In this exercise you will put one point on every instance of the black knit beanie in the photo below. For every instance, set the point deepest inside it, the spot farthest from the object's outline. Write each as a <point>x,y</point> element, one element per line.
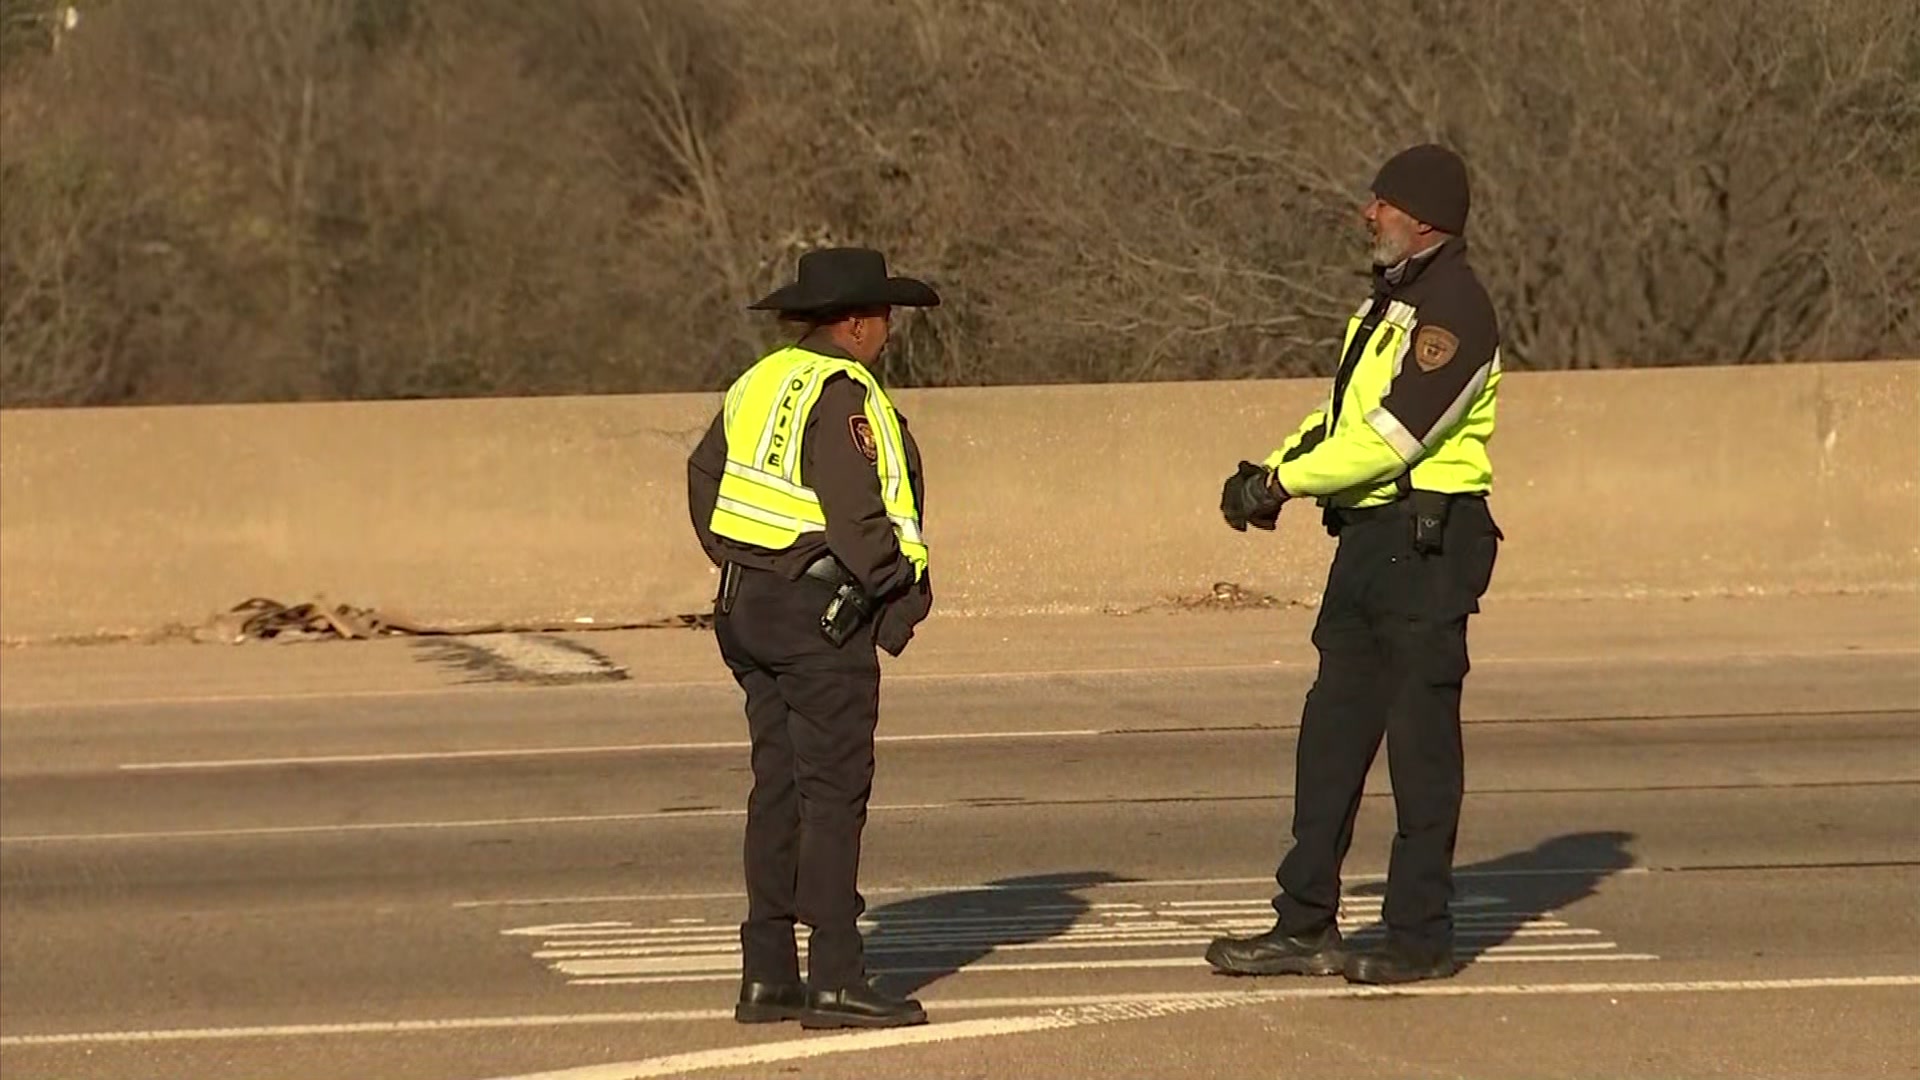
<point>1429,182</point>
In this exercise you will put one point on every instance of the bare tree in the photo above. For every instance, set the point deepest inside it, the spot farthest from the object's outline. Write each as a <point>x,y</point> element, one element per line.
<point>281,199</point>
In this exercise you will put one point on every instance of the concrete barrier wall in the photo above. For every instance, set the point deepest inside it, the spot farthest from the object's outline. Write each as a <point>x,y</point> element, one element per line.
<point>1701,480</point>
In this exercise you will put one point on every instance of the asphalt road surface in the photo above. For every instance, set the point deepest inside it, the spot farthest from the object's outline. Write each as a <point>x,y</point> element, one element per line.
<point>1691,847</point>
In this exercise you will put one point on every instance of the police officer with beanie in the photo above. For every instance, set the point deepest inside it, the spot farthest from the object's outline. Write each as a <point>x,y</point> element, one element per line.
<point>1397,460</point>
<point>806,492</point>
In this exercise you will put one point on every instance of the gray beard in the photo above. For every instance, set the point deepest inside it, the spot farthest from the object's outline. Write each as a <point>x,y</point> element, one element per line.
<point>1397,269</point>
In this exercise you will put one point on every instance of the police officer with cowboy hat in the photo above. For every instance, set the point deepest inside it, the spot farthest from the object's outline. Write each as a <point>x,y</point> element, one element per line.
<point>807,494</point>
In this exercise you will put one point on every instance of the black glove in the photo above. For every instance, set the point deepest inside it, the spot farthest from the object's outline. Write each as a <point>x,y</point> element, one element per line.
<point>900,616</point>
<point>1248,498</point>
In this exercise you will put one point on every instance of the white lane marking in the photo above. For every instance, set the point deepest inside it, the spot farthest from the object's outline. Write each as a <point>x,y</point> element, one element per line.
<point>613,953</point>
<point>639,684</point>
<point>626,935</point>
<point>402,826</point>
<point>578,949</point>
<point>1106,1012</point>
<point>732,972</point>
<point>370,826</point>
<point>980,946</point>
<point>641,937</point>
<point>565,751</point>
<point>1352,902</point>
<point>621,932</point>
<point>370,1027</point>
<point>595,967</point>
<point>727,969</point>
<point>641,942</point>
<point>682,1016</point>
<point>800,1049</point>
<point>1160,883</point>
<point>636,685</point>
<point>705,965</point>
<point>985,945</point>
<point>253,699</point>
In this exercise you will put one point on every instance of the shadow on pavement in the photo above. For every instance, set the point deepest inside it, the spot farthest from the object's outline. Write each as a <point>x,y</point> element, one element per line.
<point>1540,882</point>
<point>923,939</point>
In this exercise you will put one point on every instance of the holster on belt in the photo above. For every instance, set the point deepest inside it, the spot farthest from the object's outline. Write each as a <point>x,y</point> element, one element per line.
<point>850,608</point>
<point>1426,513</point>
<point>1430,510</point>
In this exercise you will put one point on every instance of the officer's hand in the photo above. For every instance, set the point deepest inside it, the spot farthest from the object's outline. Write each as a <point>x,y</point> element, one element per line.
<point>898,619</point>
<point>1248,498</point>
<point>1267,502</point>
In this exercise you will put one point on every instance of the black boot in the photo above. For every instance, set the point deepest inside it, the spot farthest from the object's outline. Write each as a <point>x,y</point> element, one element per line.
<point>1278,953</point>
<point>1401,962</point>
<point>859,1006</point>
<point>769,1003</point>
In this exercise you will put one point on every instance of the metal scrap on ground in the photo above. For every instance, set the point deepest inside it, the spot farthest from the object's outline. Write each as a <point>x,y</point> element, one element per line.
<point>264,619</point>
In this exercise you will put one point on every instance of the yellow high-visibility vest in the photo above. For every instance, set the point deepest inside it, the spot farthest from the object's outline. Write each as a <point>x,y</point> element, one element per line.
<point>1451,457</point>
<point>764,500</point>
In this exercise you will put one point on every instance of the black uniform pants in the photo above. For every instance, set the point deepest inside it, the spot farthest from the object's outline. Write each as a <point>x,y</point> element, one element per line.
<point>1392,638</point>
<point>811,713</point>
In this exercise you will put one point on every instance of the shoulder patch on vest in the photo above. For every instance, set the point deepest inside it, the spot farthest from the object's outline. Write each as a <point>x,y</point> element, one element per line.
<point>1433,346</point>
<point>863,440</point>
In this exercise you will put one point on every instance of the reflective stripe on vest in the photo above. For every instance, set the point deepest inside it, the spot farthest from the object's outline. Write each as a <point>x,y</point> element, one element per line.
<point>764,500</point>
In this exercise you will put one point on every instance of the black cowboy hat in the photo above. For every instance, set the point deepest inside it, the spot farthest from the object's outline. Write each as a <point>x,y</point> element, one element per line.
<point>846,279</point>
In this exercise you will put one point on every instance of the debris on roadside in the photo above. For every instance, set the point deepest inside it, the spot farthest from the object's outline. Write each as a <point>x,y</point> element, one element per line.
<point>1223,596</point>
<point>1227,594</point>
<point>264,619</point>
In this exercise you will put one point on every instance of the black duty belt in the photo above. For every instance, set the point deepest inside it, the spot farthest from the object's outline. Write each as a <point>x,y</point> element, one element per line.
<point>1433,512</point>
<point>828,569</point>
<point>1356,515</point>
<point>825,568</point>
<point>1399,507</point>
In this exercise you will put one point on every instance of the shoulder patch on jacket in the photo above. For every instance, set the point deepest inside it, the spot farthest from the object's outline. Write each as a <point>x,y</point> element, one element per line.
<point>862,430</point>
<point>1433,346</point>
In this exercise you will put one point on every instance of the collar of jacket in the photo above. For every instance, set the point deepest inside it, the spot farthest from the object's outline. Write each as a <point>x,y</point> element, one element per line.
<point>1451,250</point>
